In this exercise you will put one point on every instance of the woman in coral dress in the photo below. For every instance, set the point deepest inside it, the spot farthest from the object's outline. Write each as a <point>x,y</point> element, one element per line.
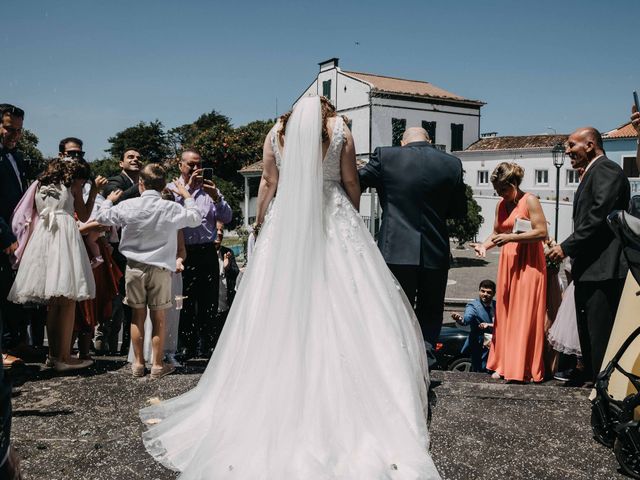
<point>517,348</point>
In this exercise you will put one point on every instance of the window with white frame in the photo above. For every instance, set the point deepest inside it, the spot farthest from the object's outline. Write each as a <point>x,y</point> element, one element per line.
<point>542,177</point>
<point>483,177</point>
<point>572,177</point>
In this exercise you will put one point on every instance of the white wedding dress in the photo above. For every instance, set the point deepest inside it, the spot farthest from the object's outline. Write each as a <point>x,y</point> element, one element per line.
<point>320,372</point>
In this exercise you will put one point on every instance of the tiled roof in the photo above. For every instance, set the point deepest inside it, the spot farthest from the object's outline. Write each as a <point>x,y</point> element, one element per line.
<point>624,131</point>
<point>517,142</point>
<point>252,168</point>
<point>408,87</point>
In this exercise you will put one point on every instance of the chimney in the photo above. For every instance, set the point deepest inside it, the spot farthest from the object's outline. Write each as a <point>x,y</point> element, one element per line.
<point>329,64</point>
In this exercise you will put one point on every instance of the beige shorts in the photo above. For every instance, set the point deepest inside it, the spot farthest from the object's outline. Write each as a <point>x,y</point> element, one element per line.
<point>147,286</point>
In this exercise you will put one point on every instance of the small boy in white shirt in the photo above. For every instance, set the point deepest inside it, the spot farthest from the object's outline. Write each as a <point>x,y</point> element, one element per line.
<point>149,242</point>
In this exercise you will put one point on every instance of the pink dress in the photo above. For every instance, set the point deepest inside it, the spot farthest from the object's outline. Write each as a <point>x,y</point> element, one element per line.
<point>517,347</point>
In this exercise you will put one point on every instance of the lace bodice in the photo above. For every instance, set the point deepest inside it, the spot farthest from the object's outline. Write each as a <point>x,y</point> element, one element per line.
<point>331,161</point>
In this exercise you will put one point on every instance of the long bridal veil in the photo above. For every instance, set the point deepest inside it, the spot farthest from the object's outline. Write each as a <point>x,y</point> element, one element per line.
<point>319,373</point>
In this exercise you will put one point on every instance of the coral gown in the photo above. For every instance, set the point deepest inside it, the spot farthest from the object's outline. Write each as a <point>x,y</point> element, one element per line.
<point>517,347</point>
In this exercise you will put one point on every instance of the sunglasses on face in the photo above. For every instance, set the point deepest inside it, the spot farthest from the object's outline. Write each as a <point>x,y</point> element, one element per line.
<point>75,154</point>
<point>12,130</point>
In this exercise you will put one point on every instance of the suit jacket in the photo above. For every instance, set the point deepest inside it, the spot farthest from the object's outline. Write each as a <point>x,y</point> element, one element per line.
<point>122,182</point>
<point>11,190</point>
<point>419,188</point>
<point>596,253</point>
<point>474,314</point>
<point>231,274</point>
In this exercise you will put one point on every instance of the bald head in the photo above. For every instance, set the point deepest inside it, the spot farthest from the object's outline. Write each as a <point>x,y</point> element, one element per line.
<point>590,134</point>
<point>414,134</point>
<point>583,146</point>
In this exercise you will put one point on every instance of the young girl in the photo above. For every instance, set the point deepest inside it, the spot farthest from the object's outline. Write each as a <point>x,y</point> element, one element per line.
<point>55,267</point>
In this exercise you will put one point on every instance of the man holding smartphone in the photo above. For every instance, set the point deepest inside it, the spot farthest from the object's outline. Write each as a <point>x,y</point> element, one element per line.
<point>201,270</point>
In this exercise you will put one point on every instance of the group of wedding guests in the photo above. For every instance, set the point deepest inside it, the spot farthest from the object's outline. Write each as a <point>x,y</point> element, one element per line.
<point>104,254</point>
<point>532,320</point>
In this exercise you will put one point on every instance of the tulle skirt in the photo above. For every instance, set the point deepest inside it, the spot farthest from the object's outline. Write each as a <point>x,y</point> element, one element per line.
<point>563,334</point>
<point>320,373</point>
<point>54,264</point>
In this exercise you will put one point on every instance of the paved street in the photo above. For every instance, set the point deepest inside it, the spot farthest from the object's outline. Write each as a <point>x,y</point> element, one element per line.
<point>86,428</point>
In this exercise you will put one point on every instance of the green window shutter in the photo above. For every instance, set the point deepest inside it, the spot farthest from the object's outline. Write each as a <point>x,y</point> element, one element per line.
<point>398,126</point>
<point>430,127</point>
<point>457,130</point>
<point>326,89</point>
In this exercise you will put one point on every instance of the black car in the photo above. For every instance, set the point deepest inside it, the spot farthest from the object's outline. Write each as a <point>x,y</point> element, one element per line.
<point>448,350</point>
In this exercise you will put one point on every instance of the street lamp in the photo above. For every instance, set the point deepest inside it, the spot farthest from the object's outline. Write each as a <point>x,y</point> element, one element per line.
<point>558,160</point>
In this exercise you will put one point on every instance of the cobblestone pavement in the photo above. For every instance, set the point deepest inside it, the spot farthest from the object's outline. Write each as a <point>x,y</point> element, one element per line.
<point>86,427</point>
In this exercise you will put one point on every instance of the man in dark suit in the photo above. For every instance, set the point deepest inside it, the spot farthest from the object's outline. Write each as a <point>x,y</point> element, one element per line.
<point>599,268</point>
<point>127,181</point>
<point>12,186</point>
<point>419,188</point>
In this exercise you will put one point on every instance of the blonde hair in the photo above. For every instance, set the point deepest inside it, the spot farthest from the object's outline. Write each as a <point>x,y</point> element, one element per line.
<point>507,172</point>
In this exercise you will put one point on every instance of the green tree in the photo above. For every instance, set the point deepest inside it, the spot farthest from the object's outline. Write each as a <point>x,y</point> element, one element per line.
<point>466,229</point>
<point>234,196</point>
<point>35,163</point>
<point>228,149</point>
<point>106,166</point>
<point>149,139</point>
<point>184,135</point>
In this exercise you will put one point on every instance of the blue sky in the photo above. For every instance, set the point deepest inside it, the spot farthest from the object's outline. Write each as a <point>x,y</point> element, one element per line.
<point>88,68</point>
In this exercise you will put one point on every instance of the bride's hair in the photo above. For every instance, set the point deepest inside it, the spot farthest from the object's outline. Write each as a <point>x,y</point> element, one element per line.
<point>64,171</point>
<point>328,111</point>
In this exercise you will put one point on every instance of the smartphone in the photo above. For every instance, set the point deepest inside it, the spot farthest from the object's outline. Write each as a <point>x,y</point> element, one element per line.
<point>635,99</point>
<point>207,174</point>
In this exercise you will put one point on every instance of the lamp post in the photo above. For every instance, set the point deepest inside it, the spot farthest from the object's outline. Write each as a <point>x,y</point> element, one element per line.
<point>558,160</point>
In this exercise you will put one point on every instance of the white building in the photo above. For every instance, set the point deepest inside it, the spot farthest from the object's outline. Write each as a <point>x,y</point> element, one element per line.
<point>380,108</point>
<point>621,146</point>
<point>533,153</point>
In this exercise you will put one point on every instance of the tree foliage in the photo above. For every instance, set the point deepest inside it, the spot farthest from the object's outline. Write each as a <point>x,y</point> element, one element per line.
<point>184,135</point>
<point>466,229</point>
<point>35,163</point>
<point>222,146</point>
<point>106,166</point>
<point>227,149</point>
<point>149,139</point>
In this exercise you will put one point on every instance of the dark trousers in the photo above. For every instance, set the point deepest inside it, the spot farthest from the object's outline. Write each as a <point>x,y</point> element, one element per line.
<point>200,285</point>
<point>6,276</point>
<point>15,326</point>
<point>121,313</point>
<point>425,288</point>
<point>596,306</point>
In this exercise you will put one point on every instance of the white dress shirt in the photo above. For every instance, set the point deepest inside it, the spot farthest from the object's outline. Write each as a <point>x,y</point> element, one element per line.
<point>149,226</point>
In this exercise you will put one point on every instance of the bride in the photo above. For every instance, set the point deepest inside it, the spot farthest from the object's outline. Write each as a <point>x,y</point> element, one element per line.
<point>320,372</point>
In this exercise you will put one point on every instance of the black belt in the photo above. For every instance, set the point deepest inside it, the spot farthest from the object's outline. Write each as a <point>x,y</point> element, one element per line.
<point>200,246</point>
